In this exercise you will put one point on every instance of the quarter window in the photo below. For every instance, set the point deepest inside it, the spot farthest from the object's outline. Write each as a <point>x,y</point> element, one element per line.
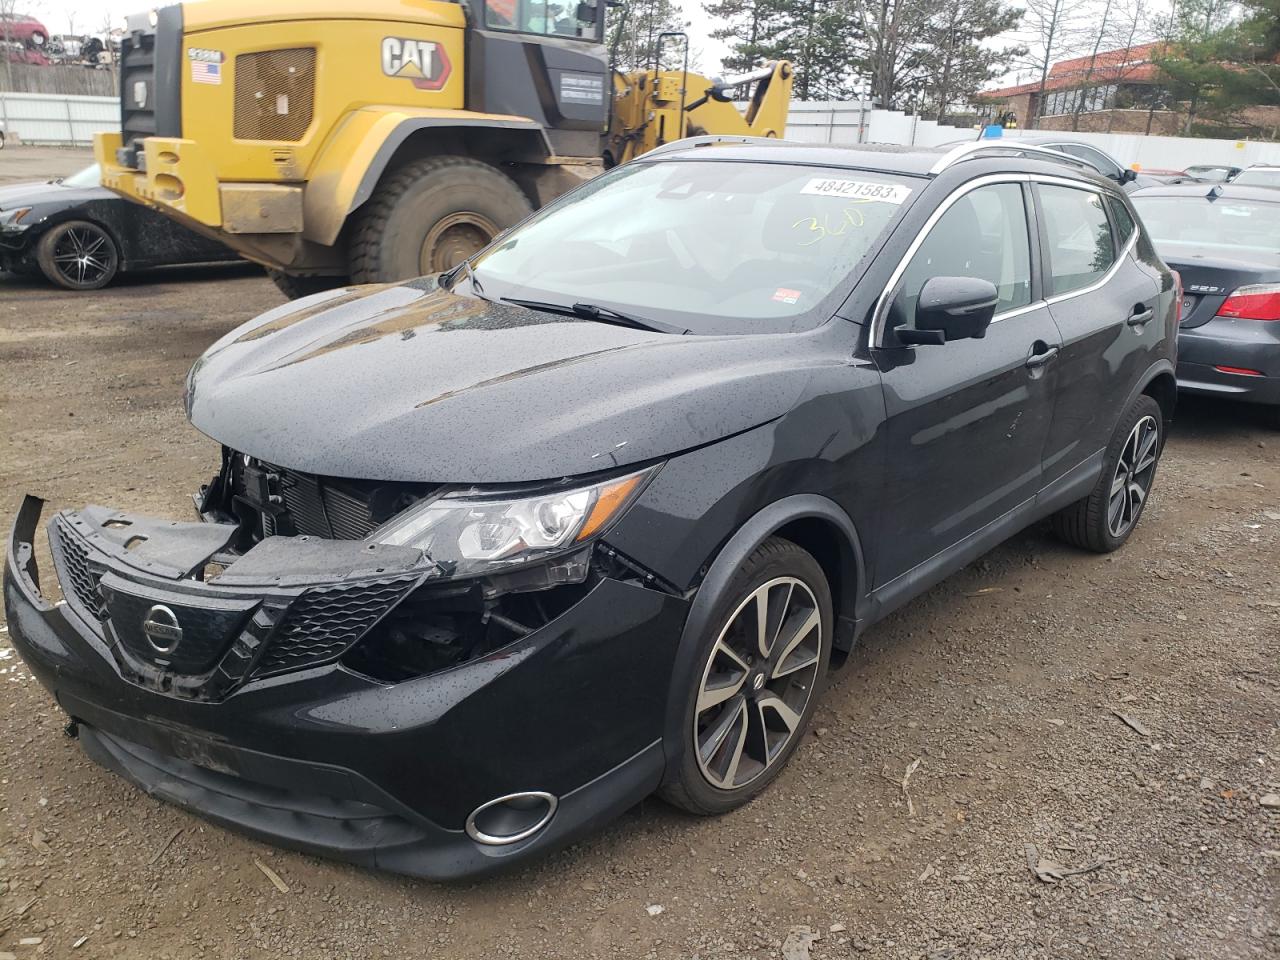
<point>1080,245</point>
<point>1124,222</point>
<point>983,235</point>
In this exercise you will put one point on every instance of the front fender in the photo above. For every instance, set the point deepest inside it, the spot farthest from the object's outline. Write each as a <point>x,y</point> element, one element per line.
<point>364,144</point>
<point>732,555</point>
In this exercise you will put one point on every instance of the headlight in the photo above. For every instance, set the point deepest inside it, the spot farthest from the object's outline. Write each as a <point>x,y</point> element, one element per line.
<point>469,533</point>
<point>9,217</point>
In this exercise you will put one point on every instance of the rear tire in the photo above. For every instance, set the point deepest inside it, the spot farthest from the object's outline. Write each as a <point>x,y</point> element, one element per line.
<point>78,255</point>
<point>295,287</point>
<point>1103,520</point>
<point>430,215</point>
<point>746,710</point>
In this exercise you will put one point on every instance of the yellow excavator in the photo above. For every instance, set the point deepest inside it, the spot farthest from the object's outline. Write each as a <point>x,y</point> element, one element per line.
<point>335,142</point>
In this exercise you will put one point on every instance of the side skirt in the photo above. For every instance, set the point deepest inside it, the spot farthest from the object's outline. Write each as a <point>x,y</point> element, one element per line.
<point>1070,487</point>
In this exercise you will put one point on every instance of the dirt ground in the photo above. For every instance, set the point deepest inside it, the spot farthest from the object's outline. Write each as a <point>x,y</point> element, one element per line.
<point>1003,683</point>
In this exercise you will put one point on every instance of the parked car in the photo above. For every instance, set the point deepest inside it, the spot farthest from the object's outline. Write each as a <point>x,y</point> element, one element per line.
<point>1258,175</point>
<point>1101,161</point>
<point>492,555</point>
<point>23,29</point>
<point>81,235</point>
<point>1211,172</point>
<point>1225,242</point>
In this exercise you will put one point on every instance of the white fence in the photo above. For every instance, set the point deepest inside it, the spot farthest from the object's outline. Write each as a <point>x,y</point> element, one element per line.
<point>855,122</point>
<point>53,120</point>
<point>852,121</point>
<point>73,120</point>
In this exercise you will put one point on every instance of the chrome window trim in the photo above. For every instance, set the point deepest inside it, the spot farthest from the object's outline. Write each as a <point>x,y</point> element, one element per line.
<point>881,310</point>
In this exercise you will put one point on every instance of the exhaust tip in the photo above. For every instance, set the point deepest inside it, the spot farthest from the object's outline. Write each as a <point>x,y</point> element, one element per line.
<point>512,818</point>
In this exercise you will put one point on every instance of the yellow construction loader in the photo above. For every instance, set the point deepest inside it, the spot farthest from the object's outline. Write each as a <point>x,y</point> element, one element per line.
<point>335,142</point>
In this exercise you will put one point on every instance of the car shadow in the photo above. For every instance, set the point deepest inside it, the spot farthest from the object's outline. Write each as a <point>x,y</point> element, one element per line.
<point>134,281</point>
<point>1211,418</point>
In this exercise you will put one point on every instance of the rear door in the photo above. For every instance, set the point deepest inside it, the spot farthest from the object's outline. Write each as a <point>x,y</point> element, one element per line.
<point>966,420</point>
<point>1105,303</point>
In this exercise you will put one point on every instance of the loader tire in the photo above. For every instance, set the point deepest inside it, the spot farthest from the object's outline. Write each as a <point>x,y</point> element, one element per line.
<point>430,215</point>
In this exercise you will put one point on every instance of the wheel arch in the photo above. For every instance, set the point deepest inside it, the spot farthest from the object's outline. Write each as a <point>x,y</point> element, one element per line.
<point>372,144</point>
<point>811,521</point>
<point>1162,387</point>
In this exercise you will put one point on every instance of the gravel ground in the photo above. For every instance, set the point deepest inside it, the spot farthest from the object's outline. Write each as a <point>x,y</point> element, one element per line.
<point>1002,684</point>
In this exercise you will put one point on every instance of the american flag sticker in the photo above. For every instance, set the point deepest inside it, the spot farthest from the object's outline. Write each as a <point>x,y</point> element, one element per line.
<point>205,72</point>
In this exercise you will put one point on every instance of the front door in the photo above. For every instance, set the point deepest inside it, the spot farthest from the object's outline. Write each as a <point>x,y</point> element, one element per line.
<point>966,420</point>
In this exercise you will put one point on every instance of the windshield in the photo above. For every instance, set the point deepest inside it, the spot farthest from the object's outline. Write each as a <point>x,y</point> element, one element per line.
<point>708,245</point>
<point>1227,225</point>
<point>1258,178</point>
<point>90,176</point>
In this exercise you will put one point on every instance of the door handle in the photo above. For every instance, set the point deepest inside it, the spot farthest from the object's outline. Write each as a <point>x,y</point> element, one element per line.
<point>1037,360</point>
<point>1140,318</point>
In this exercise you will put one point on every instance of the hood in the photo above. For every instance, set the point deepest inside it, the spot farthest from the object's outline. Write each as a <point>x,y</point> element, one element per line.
<point>412,382</point>
<point>39,193</point>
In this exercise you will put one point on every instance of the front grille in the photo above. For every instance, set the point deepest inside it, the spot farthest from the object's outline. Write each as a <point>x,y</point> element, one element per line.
<point>208,628</point>
<point>325,621</point>
<point>275,94</point>
<point>78,577</point>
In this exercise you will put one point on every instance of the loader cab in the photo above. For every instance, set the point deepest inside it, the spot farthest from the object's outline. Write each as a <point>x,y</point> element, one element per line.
<point>545,60</point>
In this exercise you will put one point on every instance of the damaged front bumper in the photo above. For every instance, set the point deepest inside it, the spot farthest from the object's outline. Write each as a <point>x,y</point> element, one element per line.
<point>232,692</point>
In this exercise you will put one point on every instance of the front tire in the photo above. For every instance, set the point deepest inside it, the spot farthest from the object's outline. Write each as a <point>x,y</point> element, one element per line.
<point>78,255</point>
<point>1103,520</point>
<point>756,680</point>
<point>429,216</point>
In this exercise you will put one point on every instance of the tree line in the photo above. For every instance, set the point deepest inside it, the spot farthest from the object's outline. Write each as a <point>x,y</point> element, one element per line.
<point>1213,58</point>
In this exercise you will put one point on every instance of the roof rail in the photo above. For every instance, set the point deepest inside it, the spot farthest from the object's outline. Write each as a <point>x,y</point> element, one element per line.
<point>706,141</point>
<point>970,150</point>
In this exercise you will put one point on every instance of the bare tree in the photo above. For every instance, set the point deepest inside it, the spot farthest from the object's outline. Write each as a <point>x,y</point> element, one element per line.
<point>1138,28</point>
<point>1052,32</point>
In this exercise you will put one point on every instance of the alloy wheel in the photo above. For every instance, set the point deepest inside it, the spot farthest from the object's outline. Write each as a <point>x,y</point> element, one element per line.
<point>84,255</point>
<point>1132,480</point>
<point>757,683</point>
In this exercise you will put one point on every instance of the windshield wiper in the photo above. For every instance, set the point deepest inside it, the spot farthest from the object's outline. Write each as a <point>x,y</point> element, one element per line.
<point>591,311</point>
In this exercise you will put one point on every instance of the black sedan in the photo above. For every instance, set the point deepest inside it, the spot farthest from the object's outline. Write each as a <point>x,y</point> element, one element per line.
<point>493,555</point>
<point>81,235</point>
<point>1225,242</point>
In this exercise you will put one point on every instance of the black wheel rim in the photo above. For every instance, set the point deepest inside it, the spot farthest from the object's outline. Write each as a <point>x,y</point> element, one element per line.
<point>83,255</point>
<point>757,683</point>
<point>1134,473</point>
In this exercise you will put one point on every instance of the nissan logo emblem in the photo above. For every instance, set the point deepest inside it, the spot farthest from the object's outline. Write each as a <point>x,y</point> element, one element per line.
<point>162,629</point>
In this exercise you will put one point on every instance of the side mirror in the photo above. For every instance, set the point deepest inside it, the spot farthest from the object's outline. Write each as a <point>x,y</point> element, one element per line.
<point>587,12</point>
<point>1128,175</point>
<point>952,308</point>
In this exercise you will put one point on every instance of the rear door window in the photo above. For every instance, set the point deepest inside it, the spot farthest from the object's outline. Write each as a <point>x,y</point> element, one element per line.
<point>1080,246</point>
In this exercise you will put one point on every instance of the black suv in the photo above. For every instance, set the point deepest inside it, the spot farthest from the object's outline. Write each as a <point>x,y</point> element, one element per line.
<point>491,556</point>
